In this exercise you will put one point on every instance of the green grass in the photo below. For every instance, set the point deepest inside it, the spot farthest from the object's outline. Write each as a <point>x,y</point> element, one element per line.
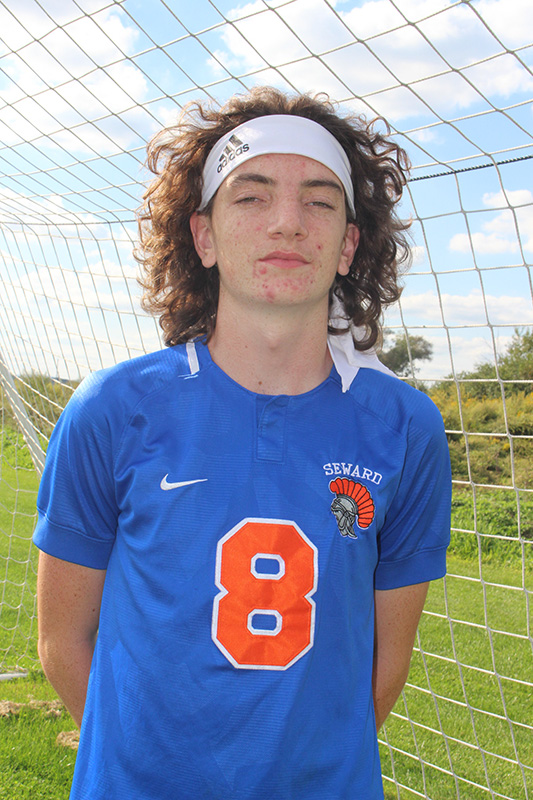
<point>18,557</point>
<point>503,520</point>
<point>477,708</point>
<point>33,764</point>
<point>461,714</point>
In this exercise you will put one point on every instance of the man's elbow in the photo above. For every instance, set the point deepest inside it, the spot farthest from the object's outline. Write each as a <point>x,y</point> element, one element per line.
<point>60,652</point>
<point>52,654</point>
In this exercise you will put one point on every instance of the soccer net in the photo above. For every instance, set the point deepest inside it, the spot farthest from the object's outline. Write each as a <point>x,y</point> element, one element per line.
<point>85,83</point>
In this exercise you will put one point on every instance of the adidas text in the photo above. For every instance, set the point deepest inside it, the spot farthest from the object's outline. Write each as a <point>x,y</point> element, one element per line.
<point>226,159</point>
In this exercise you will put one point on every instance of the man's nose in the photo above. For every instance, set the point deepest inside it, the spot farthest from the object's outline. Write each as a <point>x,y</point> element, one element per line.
<point>287,219</point>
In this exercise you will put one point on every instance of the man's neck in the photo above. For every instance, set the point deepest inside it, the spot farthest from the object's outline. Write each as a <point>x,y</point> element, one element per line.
<point>273,354</point>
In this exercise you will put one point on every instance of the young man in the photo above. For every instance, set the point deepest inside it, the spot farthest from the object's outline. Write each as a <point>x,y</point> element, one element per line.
<point>250,518</point>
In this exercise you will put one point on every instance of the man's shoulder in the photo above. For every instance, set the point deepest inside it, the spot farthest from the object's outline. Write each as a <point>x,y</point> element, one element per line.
<point>125,384</point>
<point>396,403</point>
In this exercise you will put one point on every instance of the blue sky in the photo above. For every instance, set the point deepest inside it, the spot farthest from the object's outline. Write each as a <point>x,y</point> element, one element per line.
<point>84,84</point>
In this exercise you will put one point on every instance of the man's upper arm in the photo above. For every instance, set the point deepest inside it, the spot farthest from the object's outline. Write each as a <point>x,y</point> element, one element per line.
<point>397,613</point>
<point>69,597</point>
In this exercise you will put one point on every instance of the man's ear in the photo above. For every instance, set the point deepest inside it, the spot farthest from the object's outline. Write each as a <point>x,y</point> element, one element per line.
<point>202,235</point>
<point>350,244</point>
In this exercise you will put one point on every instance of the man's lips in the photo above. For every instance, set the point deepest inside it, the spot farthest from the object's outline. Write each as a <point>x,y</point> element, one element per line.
<point>286,260</point>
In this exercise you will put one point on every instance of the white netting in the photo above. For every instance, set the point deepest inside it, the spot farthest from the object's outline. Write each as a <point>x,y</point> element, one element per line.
<point>84,85</point>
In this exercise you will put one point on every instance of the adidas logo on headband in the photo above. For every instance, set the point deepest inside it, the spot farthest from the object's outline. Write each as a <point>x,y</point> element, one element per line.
<point>233,149</point>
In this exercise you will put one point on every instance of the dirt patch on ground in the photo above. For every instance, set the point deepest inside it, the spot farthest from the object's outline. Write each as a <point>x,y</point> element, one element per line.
<point>68,739</point>
<point>50,708</point>
<point>7,708</point>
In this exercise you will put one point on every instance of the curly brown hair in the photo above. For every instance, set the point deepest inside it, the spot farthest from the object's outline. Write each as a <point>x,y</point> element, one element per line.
<point>185,295</point>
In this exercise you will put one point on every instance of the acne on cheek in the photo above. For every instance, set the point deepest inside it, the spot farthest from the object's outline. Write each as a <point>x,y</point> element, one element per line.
<point>259,271</point>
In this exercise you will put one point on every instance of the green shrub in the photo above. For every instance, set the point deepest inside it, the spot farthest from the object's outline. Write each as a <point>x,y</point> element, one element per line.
<point>497,513</point>
<point>44,399</point>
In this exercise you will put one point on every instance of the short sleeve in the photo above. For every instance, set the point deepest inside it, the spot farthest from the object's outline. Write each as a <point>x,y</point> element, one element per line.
<point>76,502</point>
<point>416,532</point>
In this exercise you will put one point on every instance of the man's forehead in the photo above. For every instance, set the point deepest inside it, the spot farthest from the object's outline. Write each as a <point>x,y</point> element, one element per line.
<point>274,168</point>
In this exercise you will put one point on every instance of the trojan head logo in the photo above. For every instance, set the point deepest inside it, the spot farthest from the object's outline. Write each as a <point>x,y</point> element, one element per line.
<point>352,502</point>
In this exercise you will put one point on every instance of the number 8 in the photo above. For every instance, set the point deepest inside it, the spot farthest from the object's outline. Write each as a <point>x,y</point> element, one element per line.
<point>284,594</point>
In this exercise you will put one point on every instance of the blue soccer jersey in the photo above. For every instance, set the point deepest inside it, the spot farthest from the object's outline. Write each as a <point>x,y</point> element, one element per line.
<point>243,537</point>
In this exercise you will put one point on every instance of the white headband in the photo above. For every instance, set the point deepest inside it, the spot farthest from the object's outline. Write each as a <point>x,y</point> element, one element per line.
<point>276,133</point>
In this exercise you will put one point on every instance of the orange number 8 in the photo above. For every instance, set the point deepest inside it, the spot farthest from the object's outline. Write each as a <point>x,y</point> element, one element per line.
<point>282,593</point>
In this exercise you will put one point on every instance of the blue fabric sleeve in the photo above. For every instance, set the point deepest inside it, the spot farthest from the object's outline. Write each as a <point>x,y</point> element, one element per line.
<point>416,533</point>
<point>76,501</point>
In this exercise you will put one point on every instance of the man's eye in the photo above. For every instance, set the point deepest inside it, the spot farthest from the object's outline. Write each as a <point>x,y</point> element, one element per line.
<point>248,199</point>
<point>321,204</point>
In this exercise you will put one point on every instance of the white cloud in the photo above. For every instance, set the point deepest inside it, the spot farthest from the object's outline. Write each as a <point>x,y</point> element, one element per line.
<point>425,135</point>
<point>413,58</point>
<point>509,197</point>
<point>502,77</point>
<point>446,94</point>
<point>459,351</point>
<point>74,61</point>
<point>89,6</point>
<point>262,38</point>
<point>453,29</point>
<point>246,10</point>
<point>49,211</point>
<point>21,26</point>
<point>43,121</point>
<point>98,97</point>
<point>105,36</point>
<point>80,88</point>
<point>482,243</point>
<point>418,255</point>
<point>425,308</point>
<point>509,19</point>
<point>96,286</point>
<point>375,17</point>
<point>119,88</point>
<point>499,234</point>
<point>316,24</point>
<point>78,320</point>
<point>307,76</point>
<point>398,103</point>
<point>466,350</point>
<point>424,313</point>
<point>415,10</point>
<point>360,69</point>
<point>24,80</point>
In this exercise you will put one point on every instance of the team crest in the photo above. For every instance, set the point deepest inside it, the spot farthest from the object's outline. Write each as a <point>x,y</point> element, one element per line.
<point>353,502</point>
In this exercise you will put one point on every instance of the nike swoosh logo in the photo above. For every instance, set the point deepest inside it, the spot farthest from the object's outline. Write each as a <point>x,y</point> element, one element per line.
<point>165,485</point>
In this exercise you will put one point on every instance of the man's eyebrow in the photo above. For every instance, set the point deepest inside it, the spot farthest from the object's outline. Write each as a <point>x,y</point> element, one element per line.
<point>252,177</point>
<point>322,182</point>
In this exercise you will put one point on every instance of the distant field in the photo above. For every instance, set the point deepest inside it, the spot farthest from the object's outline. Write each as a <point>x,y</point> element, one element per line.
<point>476,717</point>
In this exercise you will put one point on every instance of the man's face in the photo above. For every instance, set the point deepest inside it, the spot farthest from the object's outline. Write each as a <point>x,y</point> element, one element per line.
<point>277,232</point>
